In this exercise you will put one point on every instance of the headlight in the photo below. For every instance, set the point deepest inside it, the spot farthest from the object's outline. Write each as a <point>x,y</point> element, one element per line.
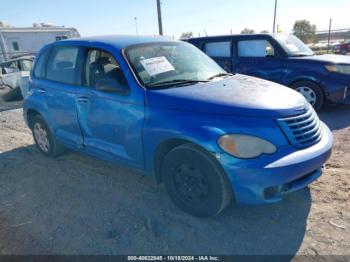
<point>244,146</point>
<point>343,69</point>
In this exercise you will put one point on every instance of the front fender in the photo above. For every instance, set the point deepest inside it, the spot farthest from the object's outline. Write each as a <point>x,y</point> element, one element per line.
<point>201,129</point>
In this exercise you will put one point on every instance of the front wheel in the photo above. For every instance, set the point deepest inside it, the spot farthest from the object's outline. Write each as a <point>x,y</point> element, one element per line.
<point>195,181</point>
<point>312,93</point>
<point>343,51</point>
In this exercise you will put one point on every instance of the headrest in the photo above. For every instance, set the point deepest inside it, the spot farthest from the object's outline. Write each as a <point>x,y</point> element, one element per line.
<point>104,60</point>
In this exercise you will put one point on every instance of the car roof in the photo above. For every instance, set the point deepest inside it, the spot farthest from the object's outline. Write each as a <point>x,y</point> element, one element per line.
<point>118,41</point>
<point>229,36</point>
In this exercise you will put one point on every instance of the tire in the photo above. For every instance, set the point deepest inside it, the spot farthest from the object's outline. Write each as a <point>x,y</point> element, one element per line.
<point>46,142</point>
<point>312,93</point>
<point>195,181</point>
<point>343,51</point>
<point>12,95</point>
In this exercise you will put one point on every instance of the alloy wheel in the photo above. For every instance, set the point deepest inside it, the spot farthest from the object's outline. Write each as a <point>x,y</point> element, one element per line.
<point>41,137</point>
<point>308,93</point>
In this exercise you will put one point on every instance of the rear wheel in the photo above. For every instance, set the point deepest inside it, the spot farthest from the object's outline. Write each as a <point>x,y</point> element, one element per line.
<point>195,181</point>
<point>312,93</point>
<point>44,139</point>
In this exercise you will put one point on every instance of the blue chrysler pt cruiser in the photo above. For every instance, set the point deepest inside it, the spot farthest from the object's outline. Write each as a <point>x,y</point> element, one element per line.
<point>165,108</point>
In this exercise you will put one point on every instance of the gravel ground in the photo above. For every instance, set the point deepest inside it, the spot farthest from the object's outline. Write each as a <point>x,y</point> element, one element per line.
<point>75,204</point>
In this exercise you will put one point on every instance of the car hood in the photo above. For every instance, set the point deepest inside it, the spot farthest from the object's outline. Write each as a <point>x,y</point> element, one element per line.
<point>337,59</point>
<point>236,95</point>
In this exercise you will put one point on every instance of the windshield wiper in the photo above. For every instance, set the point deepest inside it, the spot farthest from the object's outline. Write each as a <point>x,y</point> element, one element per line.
<point>220,75</point>
<point>176,81</point>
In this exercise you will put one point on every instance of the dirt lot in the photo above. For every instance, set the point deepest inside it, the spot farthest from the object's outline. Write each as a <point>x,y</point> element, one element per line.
<point>78,205</point>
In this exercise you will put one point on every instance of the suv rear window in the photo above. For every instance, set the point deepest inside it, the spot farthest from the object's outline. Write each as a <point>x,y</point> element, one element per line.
<point>62,64</point>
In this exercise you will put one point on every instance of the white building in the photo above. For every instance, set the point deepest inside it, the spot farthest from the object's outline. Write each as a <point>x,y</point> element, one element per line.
<point>17,41</point>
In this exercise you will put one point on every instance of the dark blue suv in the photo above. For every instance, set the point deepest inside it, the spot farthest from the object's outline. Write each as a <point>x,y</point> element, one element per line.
<point>283,59</point>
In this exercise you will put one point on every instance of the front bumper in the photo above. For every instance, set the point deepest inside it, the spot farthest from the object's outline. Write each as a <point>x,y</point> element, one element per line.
<point>267,178</point>
<point>337,88</point>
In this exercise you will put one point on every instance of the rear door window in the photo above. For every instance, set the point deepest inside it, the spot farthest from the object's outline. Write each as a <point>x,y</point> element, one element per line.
<point>218,49</point>
<point>255,48</point>
<point>62,64</point>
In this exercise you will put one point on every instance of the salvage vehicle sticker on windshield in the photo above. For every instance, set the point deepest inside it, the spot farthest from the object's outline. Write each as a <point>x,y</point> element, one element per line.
<point>157,65</point>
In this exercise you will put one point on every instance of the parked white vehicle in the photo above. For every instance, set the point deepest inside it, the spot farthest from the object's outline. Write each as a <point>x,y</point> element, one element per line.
<point>14,75</point>
<point>18,41</point>
<point>12,70</point>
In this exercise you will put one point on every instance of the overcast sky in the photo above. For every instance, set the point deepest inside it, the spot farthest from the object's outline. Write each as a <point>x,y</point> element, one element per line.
<point>96,17</point>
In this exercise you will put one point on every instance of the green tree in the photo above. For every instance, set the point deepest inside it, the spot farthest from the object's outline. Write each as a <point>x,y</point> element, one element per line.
<point>304,30</point>
<point>186,35</point>
<point>247,31</point>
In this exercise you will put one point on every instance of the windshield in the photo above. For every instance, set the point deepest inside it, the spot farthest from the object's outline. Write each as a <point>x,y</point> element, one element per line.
<point>293,45</point>
<point>171,63</point>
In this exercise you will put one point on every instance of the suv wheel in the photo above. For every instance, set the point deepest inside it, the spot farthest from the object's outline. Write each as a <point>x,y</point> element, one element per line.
<point>312,93</point>
<point>343,51</point>
<point>195,181</point>
<point>44,139</point>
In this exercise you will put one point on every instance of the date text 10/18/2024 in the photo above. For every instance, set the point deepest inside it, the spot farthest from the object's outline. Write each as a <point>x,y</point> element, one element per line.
<point>173,258</point>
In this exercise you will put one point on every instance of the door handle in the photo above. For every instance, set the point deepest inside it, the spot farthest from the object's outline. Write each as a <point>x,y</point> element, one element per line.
<point>83,99</point>
<point>41,90</point>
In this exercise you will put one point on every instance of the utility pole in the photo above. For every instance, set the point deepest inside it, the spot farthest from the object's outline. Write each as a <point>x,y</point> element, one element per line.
<point>137,30</point>
<point>160,26</point>
<point>274,18</point>
<point>329,34</point>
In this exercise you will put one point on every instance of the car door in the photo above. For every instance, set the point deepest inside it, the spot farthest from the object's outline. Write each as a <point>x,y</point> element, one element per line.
<point>110,121</point>
<point>220,51</point>
<point>59,90</point>
<point>258,57</point>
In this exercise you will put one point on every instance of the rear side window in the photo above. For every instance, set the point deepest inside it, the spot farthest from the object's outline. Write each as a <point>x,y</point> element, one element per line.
<point>218,49</point>
<point>255,48</point>
<point>62,64</point>
<point>40,64</point>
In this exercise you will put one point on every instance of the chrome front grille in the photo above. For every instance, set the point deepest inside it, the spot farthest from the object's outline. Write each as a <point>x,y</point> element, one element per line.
<point>302,130</point>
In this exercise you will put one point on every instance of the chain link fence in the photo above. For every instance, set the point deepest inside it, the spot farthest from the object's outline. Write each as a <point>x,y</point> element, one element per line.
<point>329,41</point>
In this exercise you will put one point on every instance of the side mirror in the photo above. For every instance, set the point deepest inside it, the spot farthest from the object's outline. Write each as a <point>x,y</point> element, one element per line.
<point>111,85</point>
